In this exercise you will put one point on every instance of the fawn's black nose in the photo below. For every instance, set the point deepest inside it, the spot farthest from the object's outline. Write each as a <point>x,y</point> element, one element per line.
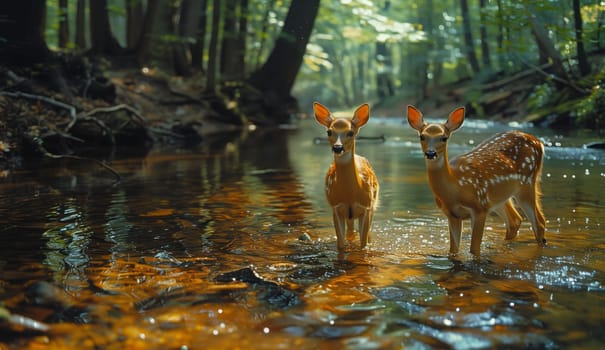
<point>430,154</point>
<point>337,149</point>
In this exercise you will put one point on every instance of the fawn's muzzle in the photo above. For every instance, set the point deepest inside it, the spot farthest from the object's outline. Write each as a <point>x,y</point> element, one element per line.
<point>430,154</point>
<point>338,149</point>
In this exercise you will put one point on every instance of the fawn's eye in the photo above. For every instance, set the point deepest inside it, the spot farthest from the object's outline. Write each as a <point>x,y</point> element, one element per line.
<point>329,132</point>
<point>350,134</point>
<point>422,138</point>
<point>443,138</point>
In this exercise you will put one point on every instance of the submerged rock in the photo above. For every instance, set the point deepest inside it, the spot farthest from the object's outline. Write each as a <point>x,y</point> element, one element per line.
<point>247,274</point>
<point>43,293</point>
<point>65,309</point>
<point>268,291</point>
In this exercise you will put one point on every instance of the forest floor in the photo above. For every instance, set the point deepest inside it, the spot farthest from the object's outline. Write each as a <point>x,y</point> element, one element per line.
<point>142,109</point>
<point>500,100</point>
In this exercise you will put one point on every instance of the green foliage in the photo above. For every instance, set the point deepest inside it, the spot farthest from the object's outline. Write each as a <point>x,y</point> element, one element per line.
<point>590,111</point>
<point>586,111</point>
<point>541,96</point>
<point>341,62</point>
<point>423,41</point>
<point>116,9</point>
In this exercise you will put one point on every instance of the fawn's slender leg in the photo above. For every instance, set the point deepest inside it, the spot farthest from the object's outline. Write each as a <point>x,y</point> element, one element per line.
<point>371,218</point>
<point>527,201</point>
<point>455,228</point>
<point>339,225</point>
<point>350,228</point>
<point>513,220</point>
<point>511,216</point>
<point>477,224</point>
<point>364,227</point>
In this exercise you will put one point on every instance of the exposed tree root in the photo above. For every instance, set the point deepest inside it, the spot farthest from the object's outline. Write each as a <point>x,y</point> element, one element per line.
<point>75,118</point>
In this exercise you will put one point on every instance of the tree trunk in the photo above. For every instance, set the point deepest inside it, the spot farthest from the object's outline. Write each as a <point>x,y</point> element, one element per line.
<point>213,47</point>
<point>143,42</point>
<point>546,46</point>
<point>343,92</point>
<point>233,47</point>
<point>22,44</point>
<point>487,62</point>
<point>22,32</point>
<point>277,75</point>
<point>468,37</point>
<point>188,20</point>
<point>263,38</point>
<point>229,41</point>
<point>600,26</point>
<point>135,15</point>
<point>384,83</point>
<point>240,61</point>
<point>500,36</point>
<point>81,24</point>
<point>63,24</point>
<point>153,49</point>
<point>197,50</point>
<point>425,17</point>
<point>355,85</point>
<point>102,39</point>
<point>438,61</point>
<point>583,64</point>
<point>358,79</point>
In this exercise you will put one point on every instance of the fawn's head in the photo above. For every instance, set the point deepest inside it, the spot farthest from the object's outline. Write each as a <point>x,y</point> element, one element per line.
<point>342,131</point>
<point>434,136</point>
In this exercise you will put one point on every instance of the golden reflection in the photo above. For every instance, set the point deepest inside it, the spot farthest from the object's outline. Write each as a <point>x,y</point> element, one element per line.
<point>158,212</point>
<point>139,261</point>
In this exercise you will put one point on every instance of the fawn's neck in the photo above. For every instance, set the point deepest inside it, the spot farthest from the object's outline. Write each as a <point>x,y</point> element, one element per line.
<point>346,169</point>
<point>441,176</point>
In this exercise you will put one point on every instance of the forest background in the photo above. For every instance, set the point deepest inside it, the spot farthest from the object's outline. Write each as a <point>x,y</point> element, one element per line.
<point>177,68</point>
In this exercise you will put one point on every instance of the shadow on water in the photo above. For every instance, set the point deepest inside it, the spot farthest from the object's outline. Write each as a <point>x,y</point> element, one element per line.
<point>232,243</point>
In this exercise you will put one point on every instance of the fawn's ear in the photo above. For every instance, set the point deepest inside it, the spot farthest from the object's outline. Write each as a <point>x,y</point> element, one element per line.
<point>415,118</point>
<point>361,115</point>
<point>455,120</point>
<point>322,114</point>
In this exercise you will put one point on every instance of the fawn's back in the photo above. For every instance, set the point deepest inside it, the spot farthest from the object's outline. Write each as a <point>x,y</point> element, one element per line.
<point>500,166</point>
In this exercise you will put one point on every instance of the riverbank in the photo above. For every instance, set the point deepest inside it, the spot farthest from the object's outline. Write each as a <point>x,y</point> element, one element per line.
<point>79,107</point>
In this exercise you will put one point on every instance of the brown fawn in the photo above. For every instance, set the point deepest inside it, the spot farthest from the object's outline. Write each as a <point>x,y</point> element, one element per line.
<point>505,166</point>
<point>351,185</point>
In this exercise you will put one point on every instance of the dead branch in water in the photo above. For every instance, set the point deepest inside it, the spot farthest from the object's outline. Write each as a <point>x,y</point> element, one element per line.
<point>46,153</point>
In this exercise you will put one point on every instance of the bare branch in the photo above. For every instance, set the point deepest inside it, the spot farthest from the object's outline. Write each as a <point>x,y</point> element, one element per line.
<point>68,156</point>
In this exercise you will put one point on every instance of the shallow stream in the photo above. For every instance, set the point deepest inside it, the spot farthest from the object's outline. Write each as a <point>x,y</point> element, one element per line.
<point>231,245</point>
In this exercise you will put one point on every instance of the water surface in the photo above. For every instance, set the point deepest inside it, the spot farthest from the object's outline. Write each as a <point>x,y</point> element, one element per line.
<point>232,245</point>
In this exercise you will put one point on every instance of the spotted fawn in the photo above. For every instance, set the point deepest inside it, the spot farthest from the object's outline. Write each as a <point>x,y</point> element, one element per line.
<point>504,167</point>
<point>351,185</point>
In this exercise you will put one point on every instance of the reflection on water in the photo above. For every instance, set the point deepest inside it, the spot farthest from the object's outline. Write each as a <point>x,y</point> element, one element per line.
<point>232,244</point>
